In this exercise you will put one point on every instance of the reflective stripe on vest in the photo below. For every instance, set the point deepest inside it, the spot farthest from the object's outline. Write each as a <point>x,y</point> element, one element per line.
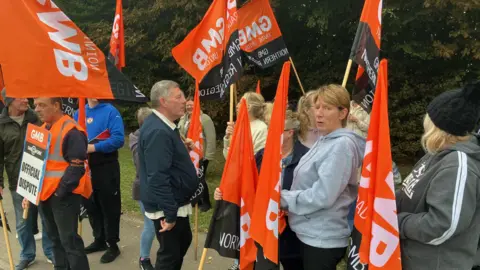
<point>56,156</point>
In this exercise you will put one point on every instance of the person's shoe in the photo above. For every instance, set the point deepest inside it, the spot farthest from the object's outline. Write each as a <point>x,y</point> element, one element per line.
<point>146,264</point>
<point>110,255</point>
<point>234,266</point>
<point>49,261</point>
<point>24,264</point>
<point>38,236</point>
<point>96,247</point>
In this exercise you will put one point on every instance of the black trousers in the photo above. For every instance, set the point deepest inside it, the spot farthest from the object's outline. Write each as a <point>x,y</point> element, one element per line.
<point>292,263</point>
<point>33,209</point>
<point>322,258</point>
<point>105,206</point>
<point>174,244</point>
<point>61,223</point>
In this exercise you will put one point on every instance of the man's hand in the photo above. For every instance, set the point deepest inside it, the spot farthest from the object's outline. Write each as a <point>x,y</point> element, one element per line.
<point>166,226</point>
<point>218,195</point>
<point>189,144</point>
<point>25,203</point>
<point>90,148</point>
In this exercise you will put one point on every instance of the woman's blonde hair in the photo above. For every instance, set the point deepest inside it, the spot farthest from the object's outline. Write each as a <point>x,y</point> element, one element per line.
<point>305,103</point>
<point>256,105</point>
<point>142,114</point>
<point>335,95</point>
<point>267,115</point>
<point>435,139</point>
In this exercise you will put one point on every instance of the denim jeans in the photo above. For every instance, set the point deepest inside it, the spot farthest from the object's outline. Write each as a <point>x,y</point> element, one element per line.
<point>148,234</point>
<point>25,232</point>
<point>351,214</point>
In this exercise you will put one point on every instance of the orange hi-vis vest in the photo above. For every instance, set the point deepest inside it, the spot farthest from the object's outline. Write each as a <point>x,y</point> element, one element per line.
<point>56,164</point>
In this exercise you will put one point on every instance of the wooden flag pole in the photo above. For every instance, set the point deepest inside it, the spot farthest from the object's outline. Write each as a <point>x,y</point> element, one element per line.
<point>5,233</point>
<point>195,239</point>
<point>296,74</point>
<point>202,260</point>
<point>232,93</point>
<point>347,72</point>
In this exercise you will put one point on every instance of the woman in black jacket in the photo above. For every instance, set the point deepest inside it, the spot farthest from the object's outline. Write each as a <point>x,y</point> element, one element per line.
<point>292,152</point>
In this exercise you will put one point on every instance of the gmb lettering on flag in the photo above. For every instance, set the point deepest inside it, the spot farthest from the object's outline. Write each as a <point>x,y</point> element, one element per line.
<point>365,52</point>
<point>229,231</point>
<point>117,41</point>
<point>375,242</point>
<point>260,37</point>
<point>64,61</point>
<point>211,51</point>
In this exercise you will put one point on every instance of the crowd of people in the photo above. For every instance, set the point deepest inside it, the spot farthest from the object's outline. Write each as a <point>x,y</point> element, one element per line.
<point>324,141</point>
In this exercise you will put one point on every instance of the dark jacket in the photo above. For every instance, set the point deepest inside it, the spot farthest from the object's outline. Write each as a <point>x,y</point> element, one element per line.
<point>12,137</point>
<point>168,178</point>
<point>133,144</point>
<point>439,209</point>
<point>289,244</point>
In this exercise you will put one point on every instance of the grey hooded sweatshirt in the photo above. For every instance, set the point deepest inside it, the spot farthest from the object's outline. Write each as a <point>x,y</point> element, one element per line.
<point>324,186</point>
<point>438,210</point>
<point>133,144</point>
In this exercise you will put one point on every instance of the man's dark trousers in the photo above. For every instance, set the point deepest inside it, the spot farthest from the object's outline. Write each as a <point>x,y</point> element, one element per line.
<point>61,224</point>
<point>105,206</point>
<point>174,244</point>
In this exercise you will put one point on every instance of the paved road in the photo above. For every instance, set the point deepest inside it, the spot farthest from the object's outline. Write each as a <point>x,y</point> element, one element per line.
<point>131,227</point>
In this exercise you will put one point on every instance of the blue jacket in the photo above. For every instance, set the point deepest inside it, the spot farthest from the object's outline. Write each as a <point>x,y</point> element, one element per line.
<point>105,130</point>
<point>168,178</point>
<point>289,244</point>
<point>324,186</point>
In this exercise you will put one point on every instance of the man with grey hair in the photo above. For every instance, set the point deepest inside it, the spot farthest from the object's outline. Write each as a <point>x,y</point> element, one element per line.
<point>168,178</point>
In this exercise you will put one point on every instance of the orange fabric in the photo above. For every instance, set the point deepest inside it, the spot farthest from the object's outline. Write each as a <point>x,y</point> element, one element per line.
<point>238,183</point>
<point>257,25</point>
<point>43,43</point>
<point>259,91</point>
<point>50,184</point>
<point>376,213</point>
<point>204,46</point>
<point>117,40</point>
<point>195,131</point>
<point>267,223</point>
<point>372,15</point>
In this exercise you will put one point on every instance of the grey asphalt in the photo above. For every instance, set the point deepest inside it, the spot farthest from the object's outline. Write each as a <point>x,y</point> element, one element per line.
<point>130,231</point>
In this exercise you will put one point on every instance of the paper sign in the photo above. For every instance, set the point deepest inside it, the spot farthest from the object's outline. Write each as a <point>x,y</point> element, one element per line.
<point>34,161</point>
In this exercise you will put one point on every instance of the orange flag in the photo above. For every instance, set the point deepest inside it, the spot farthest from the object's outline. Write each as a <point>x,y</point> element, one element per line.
<point>229,231</point>
<point>376,212</point>
<point>117,42</point>
<point>195,131</point>
<point>266,221</point>
<point>258,88</point>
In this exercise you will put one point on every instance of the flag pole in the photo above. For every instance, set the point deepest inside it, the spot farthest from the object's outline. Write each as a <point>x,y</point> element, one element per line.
<point>347,73</point>
<point>202,260</point>
<point>195,241</point>
<point>296,74</point>
<point>232,93</point>
<point>5,233</point>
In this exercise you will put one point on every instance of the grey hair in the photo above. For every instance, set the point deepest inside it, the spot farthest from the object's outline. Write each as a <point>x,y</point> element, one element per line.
<point>142,114</point>
<point>161,89</point>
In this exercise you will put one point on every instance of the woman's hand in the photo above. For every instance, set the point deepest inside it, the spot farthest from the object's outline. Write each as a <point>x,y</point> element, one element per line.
<point>218,195</point>
<point>229,130</point>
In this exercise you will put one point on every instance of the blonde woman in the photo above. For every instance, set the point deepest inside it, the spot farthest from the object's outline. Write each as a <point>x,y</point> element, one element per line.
<point>325,183</point>
<point>256,113</point>
<point>267,116</point>
<point>308,134</point>
<point>438,206</point>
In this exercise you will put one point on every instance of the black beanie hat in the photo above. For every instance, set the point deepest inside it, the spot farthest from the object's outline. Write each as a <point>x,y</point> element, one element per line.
<point>458,111</point>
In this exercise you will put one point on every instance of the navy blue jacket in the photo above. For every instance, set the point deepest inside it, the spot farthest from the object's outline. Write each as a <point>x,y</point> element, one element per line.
<point>168,178</point>
<point>289,244</point>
